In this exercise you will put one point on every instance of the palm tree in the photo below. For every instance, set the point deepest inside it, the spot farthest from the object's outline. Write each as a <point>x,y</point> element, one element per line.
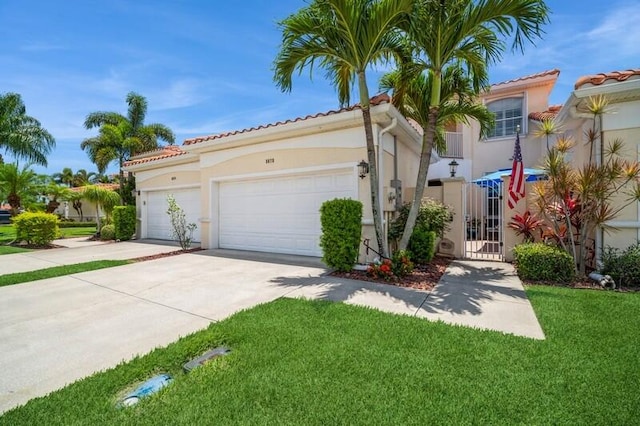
<point>82,178</point>
<point>18,184</point>
<point>55,192</point>
<point>345,37</point>
<point>121,137</point>
<point>65,177</point>
<point>22,135</point>
<point>103,198</point>
<point>465,33</point>
<point>76,202</point>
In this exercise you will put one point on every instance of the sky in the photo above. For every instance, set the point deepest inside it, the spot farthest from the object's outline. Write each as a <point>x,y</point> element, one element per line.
<point>205,66</point>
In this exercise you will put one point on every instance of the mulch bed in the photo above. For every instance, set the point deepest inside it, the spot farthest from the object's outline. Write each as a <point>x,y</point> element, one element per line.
<point>424,277</point>
<point>168,254</point>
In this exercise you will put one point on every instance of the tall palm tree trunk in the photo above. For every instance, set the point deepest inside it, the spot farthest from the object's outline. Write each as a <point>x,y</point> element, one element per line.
<point>373,166</point>
<point>425,158</point>
<point>121,160</point>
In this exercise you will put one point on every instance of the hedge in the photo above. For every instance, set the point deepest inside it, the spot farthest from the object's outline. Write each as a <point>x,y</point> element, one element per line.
<point>36,228</point>
<point>77,224</point>
<point>541,262</point>
<point>341,221</point>
<point>124,221</point>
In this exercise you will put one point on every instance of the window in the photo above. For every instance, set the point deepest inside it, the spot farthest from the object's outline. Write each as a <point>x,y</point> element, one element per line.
<point>508,115</point>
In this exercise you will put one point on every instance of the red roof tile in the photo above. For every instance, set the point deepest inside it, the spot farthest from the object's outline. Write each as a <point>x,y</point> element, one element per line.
<point>376,100</point>
<point>598,79</point>
<point>549,114</point>
<point>158,154</point>
<point>554,71</point>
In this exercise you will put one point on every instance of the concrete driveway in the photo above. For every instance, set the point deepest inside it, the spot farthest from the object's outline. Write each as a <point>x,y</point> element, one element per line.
<point>58,330</point>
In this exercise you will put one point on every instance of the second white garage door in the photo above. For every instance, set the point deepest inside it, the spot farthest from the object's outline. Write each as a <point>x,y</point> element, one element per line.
<point>158,223</point>
<point>279,215</point>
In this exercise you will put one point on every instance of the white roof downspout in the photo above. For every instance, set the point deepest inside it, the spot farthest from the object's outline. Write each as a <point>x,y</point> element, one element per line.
<point>394,123</point>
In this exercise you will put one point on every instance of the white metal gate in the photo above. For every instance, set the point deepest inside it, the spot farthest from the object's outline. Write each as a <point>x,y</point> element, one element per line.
<point>483,221</point>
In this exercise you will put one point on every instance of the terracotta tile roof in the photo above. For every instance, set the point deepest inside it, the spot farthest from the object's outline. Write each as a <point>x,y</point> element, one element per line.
<point>109,186</point>
<point>376,100</point>
<point>549,114</point>
<point>598,79</point>
<point>554,71</point>
<point>158,154</point>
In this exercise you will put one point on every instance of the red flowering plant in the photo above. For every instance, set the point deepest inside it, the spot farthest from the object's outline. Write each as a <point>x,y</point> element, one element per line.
<point>382,270</point>
<point>401,263</point>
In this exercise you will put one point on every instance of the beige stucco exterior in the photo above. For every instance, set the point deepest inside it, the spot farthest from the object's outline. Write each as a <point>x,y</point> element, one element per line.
<point>313,145</point>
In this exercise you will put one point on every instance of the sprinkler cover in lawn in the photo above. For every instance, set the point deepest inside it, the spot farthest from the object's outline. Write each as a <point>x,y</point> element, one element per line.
<point>205,357</point>
<point>147,388</point>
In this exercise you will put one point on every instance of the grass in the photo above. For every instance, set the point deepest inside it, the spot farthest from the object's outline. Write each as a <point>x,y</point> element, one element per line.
<point>303,362</point>
<point>12,250</point>
<point>58,271</point>
<point>8,233</point>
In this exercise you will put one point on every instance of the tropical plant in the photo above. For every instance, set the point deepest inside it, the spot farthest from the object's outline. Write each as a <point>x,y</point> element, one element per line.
<point>83,178</point>
<point>467,34</point>
<point>75,198</point>
<point>181,230</point>
<point>578,200</point>
<point>526,224</point>
<point>104,199</point>
<point>55,193</point>
<point>21,135</point>
<point>346,38</point>
<point>546,128</point>
<point>19,185</point>
<point>65,177</point>
<point>121,136</point>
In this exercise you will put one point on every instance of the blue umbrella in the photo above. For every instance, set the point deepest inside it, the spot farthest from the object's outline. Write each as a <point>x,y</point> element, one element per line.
<point>492,180</point>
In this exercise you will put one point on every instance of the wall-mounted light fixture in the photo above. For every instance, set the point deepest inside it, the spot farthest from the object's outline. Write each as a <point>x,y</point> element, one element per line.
<point>453,168</point>
<point>363,169</point>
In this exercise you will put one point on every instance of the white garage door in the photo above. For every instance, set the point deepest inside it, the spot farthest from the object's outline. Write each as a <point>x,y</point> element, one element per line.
<point>158,223</point>
<point>279,215</point>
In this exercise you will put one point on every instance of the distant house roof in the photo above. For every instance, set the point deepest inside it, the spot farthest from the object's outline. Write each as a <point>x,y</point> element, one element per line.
<point>157,154</point>
<point>549,114</point>
<point>598,79</point>
<point>553,72</point>
<point>376,100</point>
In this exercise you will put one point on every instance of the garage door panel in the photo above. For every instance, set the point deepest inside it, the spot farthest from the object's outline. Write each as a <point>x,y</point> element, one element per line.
<point>280,215</point>
<point>158,222</point>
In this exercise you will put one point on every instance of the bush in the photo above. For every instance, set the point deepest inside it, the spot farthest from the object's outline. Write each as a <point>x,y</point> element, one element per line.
<point>181,230</point>
<point>382,270</point>
<point>541,262</point>
<point>401,263</point>
<point>422,245</point>
<point>36,228</point>
<point>433,216</point>
<point>623,265</point>
<point>108,232</point>
<point>124,221</point>
<point>341,221</point>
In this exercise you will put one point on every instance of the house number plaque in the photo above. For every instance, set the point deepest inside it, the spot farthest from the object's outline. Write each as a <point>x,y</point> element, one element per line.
<point>270,160</point>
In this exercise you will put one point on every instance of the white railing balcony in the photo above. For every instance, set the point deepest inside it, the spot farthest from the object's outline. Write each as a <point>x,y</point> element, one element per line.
<point>453,145</point>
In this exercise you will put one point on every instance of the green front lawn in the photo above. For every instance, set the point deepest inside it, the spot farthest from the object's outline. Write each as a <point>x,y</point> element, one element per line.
<point>8,233</point>
<point>58,271</point>
<point>302,362</point>
<point>12,250</point>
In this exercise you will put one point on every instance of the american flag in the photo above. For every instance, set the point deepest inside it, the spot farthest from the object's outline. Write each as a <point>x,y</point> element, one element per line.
<point>516,186</point>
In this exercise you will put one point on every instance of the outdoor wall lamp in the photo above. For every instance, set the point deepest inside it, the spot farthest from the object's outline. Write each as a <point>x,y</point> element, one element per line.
<point>453,167</point>
<point>363,169</point>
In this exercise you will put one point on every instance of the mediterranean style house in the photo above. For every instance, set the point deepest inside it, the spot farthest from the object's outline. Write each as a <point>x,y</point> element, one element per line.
<point>261,188</point>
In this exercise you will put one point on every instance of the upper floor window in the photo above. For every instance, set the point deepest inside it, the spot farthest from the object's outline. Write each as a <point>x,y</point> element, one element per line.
<point>508,115</point>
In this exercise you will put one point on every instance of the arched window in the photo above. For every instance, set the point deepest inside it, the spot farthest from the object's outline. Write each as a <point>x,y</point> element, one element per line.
<point>508,113</point>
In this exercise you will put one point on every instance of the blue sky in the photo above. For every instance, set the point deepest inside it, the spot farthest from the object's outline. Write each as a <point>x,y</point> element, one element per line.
<point>205,66</point>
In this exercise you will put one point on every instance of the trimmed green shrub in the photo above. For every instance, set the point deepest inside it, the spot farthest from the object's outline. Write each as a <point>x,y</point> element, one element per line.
<point>541,262</point>
<point>623,265</point>
<point>341,221</point>
<point>67,224</point>
<point>108,232</point>
<point>124,221</point>
<point>433,216</point>
<point>36,228</point>
<point>422,245</point>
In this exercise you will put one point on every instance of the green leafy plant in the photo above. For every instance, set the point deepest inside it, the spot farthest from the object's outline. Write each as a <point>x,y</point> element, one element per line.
<point>382,270</point>
<point>181,230</point>
<point>542,262</point>
<point>422,245</point>
<point>623,265</point>
<point>433,216</point>
<point>401,263</point>
<point>124,220</point>
<point>108,232</point>
<point>526,225</point>
<point>36,228</point>
<point>341,221</point>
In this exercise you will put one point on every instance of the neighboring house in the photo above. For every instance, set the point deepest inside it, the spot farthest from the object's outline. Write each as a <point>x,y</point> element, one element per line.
<point>261,188</point>
<point>622,89</point>
<point>89,214</point>
<point>519,102</point>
